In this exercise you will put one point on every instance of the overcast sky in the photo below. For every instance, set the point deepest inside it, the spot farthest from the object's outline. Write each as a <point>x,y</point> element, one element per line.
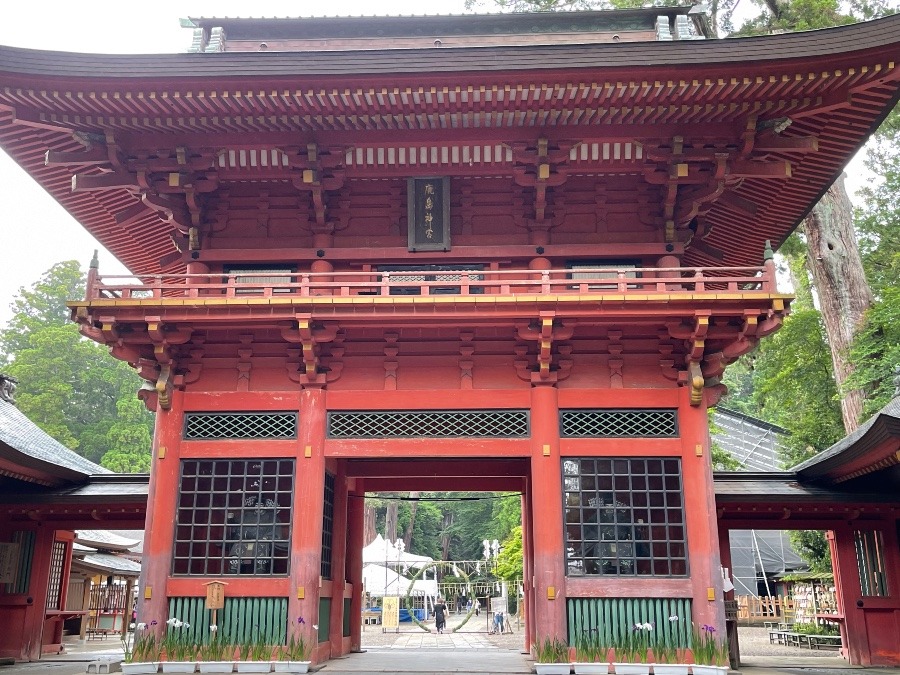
<point>35,232</point>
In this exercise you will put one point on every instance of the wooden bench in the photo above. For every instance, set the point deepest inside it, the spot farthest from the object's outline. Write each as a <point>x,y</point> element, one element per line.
<point>100,633</point>
<point>777,637</point>
<point>825,641</point>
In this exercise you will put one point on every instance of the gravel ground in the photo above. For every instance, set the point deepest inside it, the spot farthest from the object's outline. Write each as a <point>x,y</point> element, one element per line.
<point>477,627</point>
<point>755,642</point>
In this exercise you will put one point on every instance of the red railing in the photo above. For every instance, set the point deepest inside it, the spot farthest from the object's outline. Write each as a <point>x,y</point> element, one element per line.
<point>582,281</point>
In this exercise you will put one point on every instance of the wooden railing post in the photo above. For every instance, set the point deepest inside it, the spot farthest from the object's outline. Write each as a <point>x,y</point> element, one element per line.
<point>770,283</point>
<point>93,276</point>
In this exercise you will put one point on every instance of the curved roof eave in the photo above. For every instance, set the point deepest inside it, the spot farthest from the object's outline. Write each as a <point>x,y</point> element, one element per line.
<point>819,44</point>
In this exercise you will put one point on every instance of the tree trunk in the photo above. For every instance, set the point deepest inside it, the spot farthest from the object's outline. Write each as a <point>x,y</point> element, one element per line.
<point>390,520</point>
<point>413,507</point>
<point>446,535</point>
<point>840,283</point>
<point>369,529</point>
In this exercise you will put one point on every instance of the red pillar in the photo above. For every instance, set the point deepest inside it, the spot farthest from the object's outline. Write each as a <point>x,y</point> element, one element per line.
<point>355,543</point>
<point>161,499</point>
<point>527,567</point>
<point>36,600</point>
<point>871,623</point>
<point>549,612</point>
<point>339,561</point>
<point>734,647</point>
<point>306,553</point>
<point>700,510</point>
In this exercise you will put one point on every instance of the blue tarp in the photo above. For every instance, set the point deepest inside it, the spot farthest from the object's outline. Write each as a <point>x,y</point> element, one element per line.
<point>404,613</point>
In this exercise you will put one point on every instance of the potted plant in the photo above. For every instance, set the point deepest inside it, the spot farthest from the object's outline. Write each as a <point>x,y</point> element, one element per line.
<point>215,655</point>
<point>255,655</point>
<point>632,649</point>
<point>590,654</point>
<point>551,657</point>
<point>179,648</point>
<point>294,657</point>
<point>142,651</point>
<point>710,653</point>
<point>667,658</point>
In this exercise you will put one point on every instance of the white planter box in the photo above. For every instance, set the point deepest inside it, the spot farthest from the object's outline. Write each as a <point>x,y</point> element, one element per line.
<point>632,668</point>
<point>292,666</point>
<point>140,668</point>
<point>670,669</point>
<point>591,668</point>
<point>215,666</point>
<point>553,668</point>
<point>254,666</point>
<point>709,670</point>
<point>178,666</point>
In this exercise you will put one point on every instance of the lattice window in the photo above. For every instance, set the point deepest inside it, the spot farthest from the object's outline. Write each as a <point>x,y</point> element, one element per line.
<point>57,564</point>
<point>327,526</point>
<point>234,517</point>
<point>410,284</point>
<point>624,516</point>
<point>261,277</point>
<point>618,423</point>
<point>216,426</point>
<point>429,424</point>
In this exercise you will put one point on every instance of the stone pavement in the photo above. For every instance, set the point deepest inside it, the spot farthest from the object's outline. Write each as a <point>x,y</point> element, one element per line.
<point>471,650</point>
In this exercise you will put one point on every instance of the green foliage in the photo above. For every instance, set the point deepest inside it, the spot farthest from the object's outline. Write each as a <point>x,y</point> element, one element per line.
<point>794,387</point>
<point>68,385</point>
<point>466,518</point>
<point>128,439</point>
<point>813,548</point>
<point>44,304</point>
<point>795,15</point>
<point>877,220</point>
<point>708,648</point>
<point>551,650</point>
<point>510,561</point>
<point>876,352</point>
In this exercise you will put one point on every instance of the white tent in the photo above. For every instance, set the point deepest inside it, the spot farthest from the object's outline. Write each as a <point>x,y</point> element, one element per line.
<point>382,552</point>
<point>380,581</point>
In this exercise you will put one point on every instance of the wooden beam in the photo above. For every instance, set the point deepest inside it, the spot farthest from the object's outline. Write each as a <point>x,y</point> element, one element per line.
<point>94,155</point>
<point>103,181</point>
<point>774,143</point>
<point>132,212</point>
<point>745,168</point>
<point>735,201</point>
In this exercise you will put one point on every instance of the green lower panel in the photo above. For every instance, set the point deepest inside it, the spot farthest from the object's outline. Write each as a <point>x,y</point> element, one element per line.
<point>324,619</point>
<point>612,618</point>
<point>241,620</point>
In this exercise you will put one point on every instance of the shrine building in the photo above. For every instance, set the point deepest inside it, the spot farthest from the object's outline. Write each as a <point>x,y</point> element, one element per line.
<point>483,252</point>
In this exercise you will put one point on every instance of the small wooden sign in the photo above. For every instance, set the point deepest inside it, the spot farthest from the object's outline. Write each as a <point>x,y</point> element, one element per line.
<point>215,594</point>
<point>428,214</point>
<point>390,611</point>
<point>9,563</point>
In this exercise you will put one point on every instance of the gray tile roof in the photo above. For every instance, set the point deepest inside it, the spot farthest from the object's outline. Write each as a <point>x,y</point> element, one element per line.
<point>104,539</point>
<point>783,486</point>
<point>111,564</point>
<point>882,425</point>
<point>36,448</point>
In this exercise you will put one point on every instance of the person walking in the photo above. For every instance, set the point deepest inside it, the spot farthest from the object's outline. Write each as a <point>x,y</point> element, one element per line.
<point>440,615</point>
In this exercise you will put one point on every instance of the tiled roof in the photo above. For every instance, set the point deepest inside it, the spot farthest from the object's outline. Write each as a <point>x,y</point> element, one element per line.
<point>104,539</point>
<point>23,436</point>
<point>112,564</point>
<point>876,430</point>
<point>783,486</point>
